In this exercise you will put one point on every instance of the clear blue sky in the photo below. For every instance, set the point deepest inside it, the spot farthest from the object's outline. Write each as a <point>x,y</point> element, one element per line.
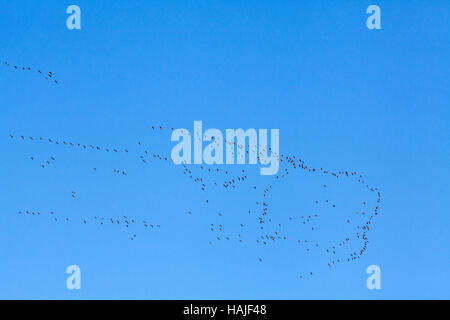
<point>344,98</point>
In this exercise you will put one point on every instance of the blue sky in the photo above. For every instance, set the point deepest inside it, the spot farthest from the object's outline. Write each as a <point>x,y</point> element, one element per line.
<point>344,98</point>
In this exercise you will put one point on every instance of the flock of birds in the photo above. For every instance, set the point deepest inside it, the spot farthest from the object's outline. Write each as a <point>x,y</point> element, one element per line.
<point>124,221</point>
<point>269,229</point>
<point>290,164</point>
<point>229,179</point>
<point>46,75</point>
